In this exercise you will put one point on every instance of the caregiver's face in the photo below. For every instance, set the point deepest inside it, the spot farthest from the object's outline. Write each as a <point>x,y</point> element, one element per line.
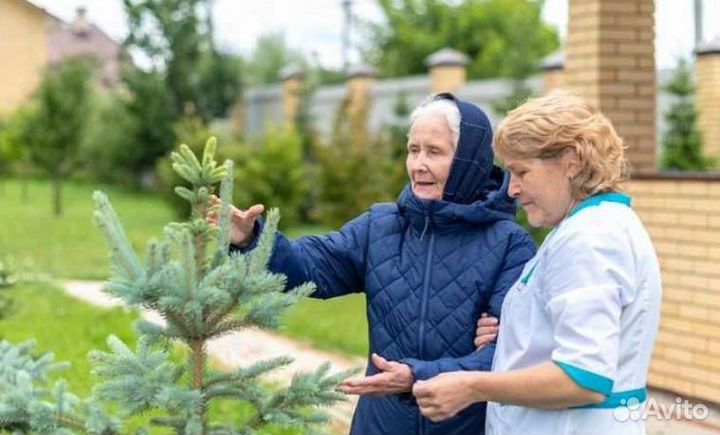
<point>431,147</point>
<point>542,186</point>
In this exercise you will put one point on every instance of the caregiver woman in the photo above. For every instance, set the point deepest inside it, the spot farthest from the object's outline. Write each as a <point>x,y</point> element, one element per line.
<point>579,326</point>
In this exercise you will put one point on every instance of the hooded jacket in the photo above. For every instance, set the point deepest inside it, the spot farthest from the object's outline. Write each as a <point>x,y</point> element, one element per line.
<point>428,270</point>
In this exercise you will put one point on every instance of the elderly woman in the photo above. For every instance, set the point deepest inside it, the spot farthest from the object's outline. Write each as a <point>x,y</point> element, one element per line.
<point>448,250</point>
<point>579,326</point>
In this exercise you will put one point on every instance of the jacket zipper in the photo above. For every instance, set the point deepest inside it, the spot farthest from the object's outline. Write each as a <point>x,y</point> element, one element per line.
<point>423,313</point>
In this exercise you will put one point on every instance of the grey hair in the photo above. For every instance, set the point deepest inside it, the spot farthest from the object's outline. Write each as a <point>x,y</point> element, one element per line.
<point>445,108</point>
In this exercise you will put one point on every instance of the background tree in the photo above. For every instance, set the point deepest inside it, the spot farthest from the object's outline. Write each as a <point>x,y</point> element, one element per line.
<point>682,141</point>
<point>56,126</point>
<point>485,30</point>
<point>270,56</point>
<point>170,34</point>
<point>14,153</point>
<point>221,83</point>
<point>187,76</point>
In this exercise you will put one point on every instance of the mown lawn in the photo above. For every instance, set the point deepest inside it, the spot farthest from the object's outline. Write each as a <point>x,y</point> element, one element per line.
<point>71,247</point>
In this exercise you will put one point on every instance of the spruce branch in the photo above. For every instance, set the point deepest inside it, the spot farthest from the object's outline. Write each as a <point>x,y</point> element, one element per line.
<point>125,262</point>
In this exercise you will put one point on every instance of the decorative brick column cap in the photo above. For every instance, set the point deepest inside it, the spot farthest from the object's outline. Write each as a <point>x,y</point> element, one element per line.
<point>709,47</point>
<point>291,72</point>
<point>446,57</point>
<point>554,61</point>
<point>361,70</point>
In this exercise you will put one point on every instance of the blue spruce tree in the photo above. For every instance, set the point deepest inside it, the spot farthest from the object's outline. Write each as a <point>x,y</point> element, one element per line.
<point>202,292</point>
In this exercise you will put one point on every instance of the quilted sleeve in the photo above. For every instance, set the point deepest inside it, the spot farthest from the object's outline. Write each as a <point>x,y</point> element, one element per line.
<point>519,251</point>
<point>335,262</point>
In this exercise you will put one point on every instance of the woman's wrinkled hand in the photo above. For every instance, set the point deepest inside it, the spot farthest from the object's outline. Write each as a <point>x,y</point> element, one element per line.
<point>242,221</point>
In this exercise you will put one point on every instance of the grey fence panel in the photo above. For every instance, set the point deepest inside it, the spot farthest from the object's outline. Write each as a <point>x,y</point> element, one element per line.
<point>264,106</point>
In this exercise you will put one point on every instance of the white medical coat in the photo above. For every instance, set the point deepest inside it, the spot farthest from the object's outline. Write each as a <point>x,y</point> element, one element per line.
<point>590,302</point>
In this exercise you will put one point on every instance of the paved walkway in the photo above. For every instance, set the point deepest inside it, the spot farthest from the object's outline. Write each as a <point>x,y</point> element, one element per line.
<point>248,346</point>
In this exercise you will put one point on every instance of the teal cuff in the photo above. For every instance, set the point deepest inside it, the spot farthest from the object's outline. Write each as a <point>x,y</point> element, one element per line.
<point>621,398</point>
<point>587,379</point>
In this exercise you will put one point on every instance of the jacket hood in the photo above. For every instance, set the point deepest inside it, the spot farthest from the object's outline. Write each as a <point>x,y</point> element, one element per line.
<point>470,173</point>
<point>476,190</point>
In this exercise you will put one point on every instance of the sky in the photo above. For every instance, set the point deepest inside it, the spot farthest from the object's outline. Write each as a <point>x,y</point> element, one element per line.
<point>314,26</point>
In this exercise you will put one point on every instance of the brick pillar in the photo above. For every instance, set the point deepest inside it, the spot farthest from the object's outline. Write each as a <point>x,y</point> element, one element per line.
<point>553,72</point>
<point>707,97</point>
<point>448,70</point>
<point>360,80</point>
<point>610,60</point>
<point>293,84</point>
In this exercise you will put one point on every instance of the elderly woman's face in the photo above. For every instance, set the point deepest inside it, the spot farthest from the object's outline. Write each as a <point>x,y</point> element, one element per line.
<point>431,147</point>
<point>542,186</point>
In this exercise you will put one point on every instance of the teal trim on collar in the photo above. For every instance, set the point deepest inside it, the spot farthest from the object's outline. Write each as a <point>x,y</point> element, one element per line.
<point>529,274</point>
<point>600,198</point>
<point>587,379</point>
<point>621,398</point>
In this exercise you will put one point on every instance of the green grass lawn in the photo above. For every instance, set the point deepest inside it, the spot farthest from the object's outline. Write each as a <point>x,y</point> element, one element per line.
<point>337,324</point>
<point>71,247</point>
<point>64,326</point>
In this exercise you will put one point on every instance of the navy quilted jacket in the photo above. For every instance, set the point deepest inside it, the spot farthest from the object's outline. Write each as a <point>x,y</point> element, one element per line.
<point>428,269</point>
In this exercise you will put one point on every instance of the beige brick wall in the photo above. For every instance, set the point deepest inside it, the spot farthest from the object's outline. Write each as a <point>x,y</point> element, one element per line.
<point>707,98</point>
<point>292,88</point>
<point>359,91</point>
<point>447,78</point>
<point>23,51</point>
<point>610,60</point>
<point>683,219</point>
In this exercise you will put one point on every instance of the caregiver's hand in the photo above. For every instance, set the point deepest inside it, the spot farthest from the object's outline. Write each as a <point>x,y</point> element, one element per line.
<point>487,330</point>
<point>444,395</point>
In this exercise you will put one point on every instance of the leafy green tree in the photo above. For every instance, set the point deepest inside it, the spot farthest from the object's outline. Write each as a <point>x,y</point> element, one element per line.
<point>202,292</point>
<point>14,154</point>
<point>270,56</point>
<point>682,142</point>
<point>221,76</point>
<point>170,33</point>
<point>178,42</point>
<point>57,125</point>
<point>503,38</point>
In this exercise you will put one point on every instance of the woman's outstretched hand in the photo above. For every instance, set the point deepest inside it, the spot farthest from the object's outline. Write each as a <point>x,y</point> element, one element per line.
<point>242,221</point>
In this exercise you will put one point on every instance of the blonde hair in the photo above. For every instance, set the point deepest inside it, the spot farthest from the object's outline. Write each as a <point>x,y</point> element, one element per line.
<point>549,126</point>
